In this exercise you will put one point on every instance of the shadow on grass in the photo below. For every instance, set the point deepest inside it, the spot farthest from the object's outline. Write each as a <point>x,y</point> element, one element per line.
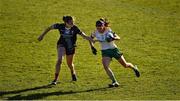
<point>43,95</point>
<point>24,90</point>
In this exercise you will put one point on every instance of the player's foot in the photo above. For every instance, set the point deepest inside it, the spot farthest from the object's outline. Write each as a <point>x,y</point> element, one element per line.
<point>115,84</point>
<point>136,70</point>
<point>74,77</point>
<point>54,82</point>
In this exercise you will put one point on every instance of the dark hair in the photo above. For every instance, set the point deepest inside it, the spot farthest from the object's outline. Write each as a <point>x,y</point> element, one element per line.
<point>99,23</point>
<point>67,18</point>
<point>106,22</point>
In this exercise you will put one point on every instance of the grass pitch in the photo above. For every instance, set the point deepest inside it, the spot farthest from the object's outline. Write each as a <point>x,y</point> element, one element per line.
<point>149,31</point>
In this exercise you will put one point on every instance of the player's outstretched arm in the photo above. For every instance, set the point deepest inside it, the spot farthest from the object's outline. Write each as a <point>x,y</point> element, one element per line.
<point>87,37</point>
<point>44,33</point>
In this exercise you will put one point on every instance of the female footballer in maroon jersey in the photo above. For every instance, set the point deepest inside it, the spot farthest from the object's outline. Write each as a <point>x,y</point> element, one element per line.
<point>66,44</point>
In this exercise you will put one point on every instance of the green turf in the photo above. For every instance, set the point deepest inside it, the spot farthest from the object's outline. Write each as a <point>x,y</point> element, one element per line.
<point>150,38</point>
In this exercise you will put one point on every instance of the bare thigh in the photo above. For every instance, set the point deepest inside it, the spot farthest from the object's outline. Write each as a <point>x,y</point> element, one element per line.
<point>69,59</point>
<point>106,61</point>
<point>60,52</point>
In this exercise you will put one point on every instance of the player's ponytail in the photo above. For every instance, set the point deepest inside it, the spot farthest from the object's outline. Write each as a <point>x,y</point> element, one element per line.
<point>106,22</point>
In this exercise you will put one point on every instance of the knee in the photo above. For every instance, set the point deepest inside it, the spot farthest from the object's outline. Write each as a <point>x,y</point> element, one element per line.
<point>70,65</point>
<point>126,65</point>
<point>59,62</point>
<point>106,68</point>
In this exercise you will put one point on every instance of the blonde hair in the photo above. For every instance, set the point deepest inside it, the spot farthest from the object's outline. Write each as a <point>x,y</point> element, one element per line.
<point>106,22</point>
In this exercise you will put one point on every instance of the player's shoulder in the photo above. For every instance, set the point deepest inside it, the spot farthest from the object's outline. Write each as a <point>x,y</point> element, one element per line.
<point>58,25</point>
<point>108,29</point>
<point>94,32</point>
<point>75,27</point>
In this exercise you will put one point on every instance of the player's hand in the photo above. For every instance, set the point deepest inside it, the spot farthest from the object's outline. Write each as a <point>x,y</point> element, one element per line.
<point>94,51</point>
<point>40,38</point>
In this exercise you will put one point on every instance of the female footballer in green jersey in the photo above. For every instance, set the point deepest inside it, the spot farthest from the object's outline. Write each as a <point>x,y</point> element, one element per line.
<point>106,37</point>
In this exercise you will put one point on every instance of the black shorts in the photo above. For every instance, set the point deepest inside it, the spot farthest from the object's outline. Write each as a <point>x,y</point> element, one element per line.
<point>68,51</point>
